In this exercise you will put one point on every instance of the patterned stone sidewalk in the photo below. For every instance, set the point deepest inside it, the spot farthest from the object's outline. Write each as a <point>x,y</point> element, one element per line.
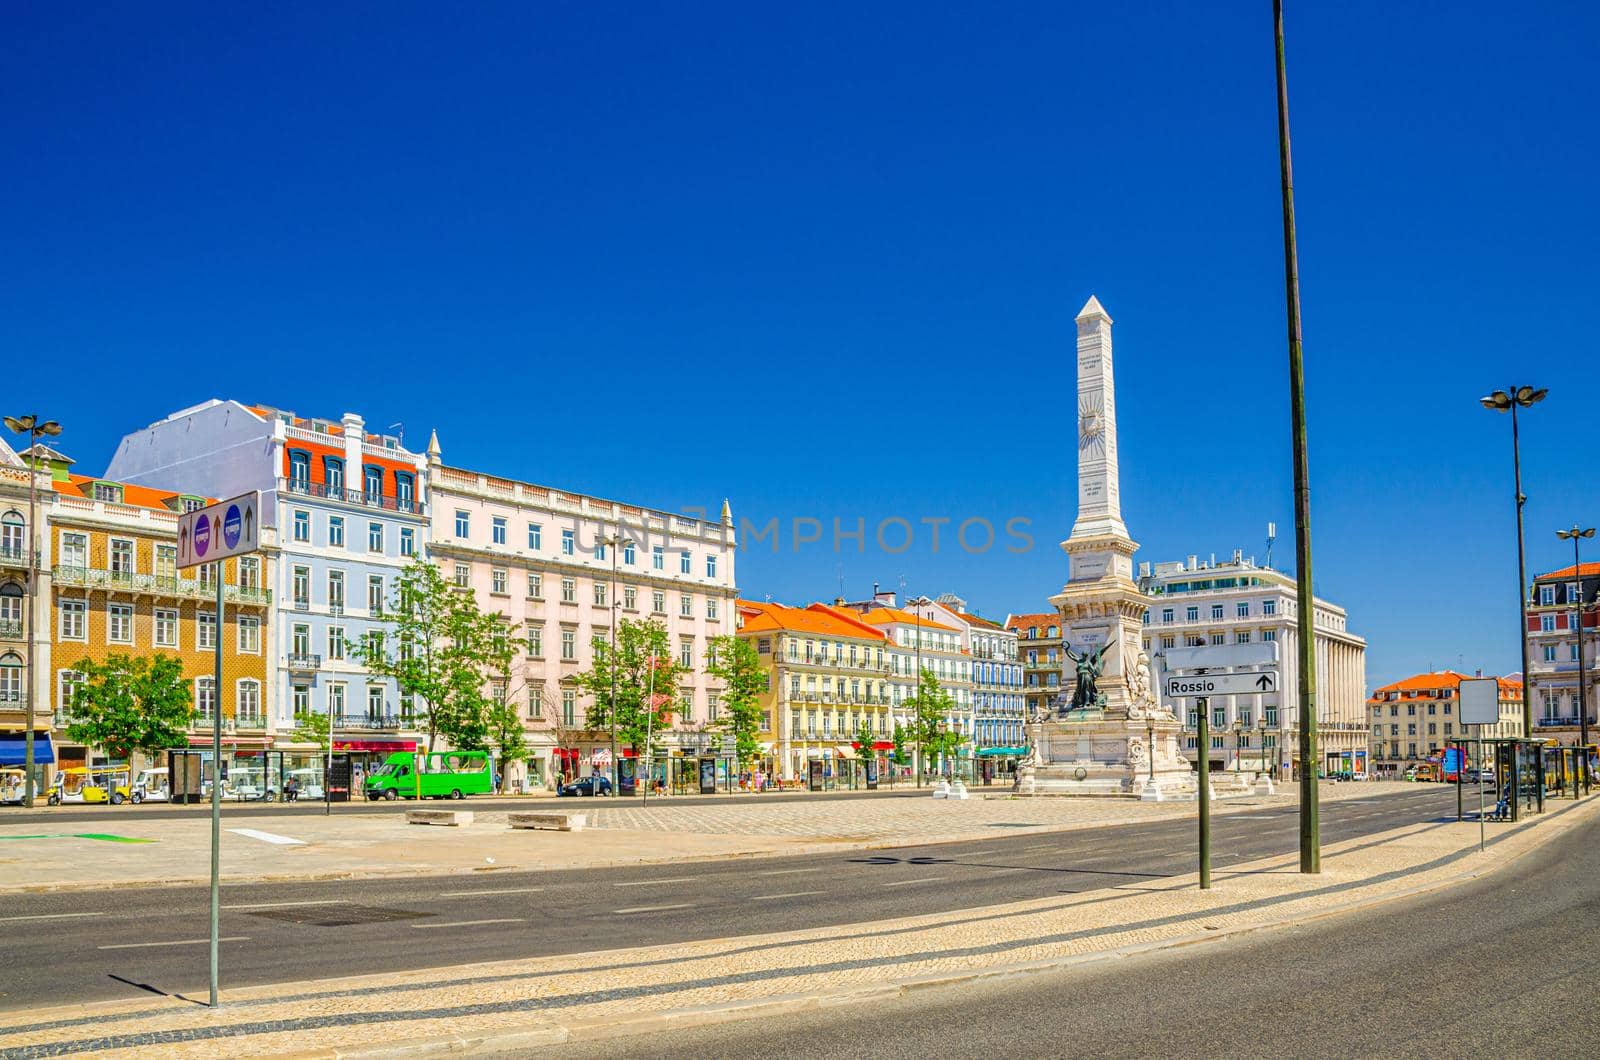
<point>509,1004</point>
<point>355,846</point>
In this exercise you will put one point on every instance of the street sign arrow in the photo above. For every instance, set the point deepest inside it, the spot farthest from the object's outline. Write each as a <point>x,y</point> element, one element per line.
<point>1199,685</point>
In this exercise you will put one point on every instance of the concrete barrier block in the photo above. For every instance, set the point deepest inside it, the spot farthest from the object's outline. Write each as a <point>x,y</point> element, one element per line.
<point>549,822</point>
<point>449,818</point>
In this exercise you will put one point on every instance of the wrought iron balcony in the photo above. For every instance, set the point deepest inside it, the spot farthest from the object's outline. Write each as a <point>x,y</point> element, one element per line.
<point>360,498</point>
<point>10,629</point>
<point>375,722</point>
<point>13,555</point>
<point>156,585</point>
<point>300,662</point>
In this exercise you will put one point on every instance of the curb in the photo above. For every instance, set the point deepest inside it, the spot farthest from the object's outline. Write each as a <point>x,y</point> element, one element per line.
<point>549,1033</point>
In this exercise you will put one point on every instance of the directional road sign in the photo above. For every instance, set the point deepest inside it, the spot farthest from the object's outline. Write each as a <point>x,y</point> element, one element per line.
<point>220,531</point>
<point>1234,684</point>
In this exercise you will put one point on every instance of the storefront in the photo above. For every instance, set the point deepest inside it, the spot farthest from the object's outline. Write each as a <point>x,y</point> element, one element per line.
<point>998,765</point>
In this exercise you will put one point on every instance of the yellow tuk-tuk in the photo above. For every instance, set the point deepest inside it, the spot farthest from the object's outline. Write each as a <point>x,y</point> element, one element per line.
<point>79,784</point>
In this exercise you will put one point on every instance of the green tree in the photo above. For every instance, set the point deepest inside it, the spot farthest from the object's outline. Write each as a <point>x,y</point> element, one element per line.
<point>736,661</point>
<point>443,650</point>
<point>131,703</point>
<point>311,727</point>
<point>506,736</point>
<point>931,705</point>
<point>901,735</point>
<point>641,647</point>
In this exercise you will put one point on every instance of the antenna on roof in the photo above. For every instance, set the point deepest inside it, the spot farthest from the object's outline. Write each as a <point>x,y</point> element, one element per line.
<point>1272,535</point>
<point>839,570</point>
<point>399,430</point>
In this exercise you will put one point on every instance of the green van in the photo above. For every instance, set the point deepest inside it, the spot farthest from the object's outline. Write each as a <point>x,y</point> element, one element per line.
<point>444,774</point>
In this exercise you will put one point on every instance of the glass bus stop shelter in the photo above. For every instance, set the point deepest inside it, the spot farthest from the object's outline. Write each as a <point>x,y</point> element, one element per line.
<point>1519,775</point>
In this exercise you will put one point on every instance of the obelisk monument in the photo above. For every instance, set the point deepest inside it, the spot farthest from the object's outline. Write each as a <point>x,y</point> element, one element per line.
<point>1112,737</point>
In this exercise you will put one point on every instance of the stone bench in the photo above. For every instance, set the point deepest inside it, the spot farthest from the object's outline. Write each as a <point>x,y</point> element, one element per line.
<point>450,818</point>
<point>549,822</point>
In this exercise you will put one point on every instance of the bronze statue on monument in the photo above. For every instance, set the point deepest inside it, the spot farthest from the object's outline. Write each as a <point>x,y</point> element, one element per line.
<point>1090,665</point>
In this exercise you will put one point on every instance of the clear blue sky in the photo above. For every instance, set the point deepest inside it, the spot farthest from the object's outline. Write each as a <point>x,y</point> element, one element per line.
<point>825,261</point>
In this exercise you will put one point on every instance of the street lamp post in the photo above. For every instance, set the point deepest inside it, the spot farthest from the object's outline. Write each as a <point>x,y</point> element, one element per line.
<point>1575,535</point>
<point>612,543</point>
<point>1509,401</point>
<point>34,428</point>
<point>1262,732</point>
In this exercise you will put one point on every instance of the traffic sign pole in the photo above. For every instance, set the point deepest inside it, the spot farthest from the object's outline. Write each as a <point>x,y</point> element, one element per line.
<point>216,790</point>
<point>211,536</point>
<point>1203,748</point>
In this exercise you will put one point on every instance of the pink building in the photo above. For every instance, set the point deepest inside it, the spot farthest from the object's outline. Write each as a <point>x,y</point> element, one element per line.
<point>540,556</point>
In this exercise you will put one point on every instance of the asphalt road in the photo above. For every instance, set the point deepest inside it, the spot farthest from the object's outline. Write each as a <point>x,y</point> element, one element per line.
<point>103,813</point>
<point>1503,966</point>
<point>86,946</point>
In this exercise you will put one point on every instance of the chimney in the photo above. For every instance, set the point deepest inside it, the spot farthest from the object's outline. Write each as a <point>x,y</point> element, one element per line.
<point>1194,563</point>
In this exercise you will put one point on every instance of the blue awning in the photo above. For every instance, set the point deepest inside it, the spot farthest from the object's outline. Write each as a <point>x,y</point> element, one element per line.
<point>13,749</point>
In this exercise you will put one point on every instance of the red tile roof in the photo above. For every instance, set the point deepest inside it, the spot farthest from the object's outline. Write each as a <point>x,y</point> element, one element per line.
<point>1509,688</point>
<point>765,617</point>
<point>1043,621</point>
<point>137,496</point>
<point>1589,570</point>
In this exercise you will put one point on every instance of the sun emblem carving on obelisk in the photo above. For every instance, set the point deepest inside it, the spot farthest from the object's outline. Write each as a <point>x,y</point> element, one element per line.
<point>1091,425</point>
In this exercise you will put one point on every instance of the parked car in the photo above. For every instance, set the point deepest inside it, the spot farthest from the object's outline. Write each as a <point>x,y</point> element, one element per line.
<point>593,784</point>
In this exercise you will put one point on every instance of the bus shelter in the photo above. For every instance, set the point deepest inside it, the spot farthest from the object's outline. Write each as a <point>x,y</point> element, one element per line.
<point>1511,769</point>
<point>1568,768</point>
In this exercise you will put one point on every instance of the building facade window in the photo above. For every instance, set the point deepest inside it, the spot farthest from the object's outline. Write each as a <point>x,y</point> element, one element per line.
<point>250,634</point>
<point>463,525</point>
<point>119,623</point>
<point>535,536</point>
<point>497,530</point>
<point>166,628</point>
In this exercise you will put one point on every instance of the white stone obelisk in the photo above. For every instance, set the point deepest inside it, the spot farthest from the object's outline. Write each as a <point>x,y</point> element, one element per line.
<point>1116,740</point>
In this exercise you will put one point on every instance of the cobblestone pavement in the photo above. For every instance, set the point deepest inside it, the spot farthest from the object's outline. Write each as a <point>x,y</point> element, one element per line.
<point>551,1000</point>
<point>927,819</point>
<point>377,845</point>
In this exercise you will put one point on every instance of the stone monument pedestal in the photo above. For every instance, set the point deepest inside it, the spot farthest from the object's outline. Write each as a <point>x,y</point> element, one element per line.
<point>1098,754</point>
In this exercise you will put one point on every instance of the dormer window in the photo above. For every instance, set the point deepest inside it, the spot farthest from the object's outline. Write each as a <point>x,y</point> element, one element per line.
<point>110,492</point>
<point>191,504</point>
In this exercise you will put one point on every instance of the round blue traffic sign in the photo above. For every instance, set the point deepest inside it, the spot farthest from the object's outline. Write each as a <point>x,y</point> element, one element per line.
<point>232,523</point>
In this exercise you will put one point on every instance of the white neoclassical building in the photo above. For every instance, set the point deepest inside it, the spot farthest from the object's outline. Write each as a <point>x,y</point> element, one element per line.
<point>1198,603</point>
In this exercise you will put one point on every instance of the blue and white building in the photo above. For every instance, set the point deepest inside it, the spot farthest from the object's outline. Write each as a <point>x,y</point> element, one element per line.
<point>997,677</point>
<point>343,512</point>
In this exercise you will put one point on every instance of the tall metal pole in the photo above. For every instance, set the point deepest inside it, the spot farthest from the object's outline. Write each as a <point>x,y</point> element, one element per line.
<point>32,604</point>
<point>216,787</point>
<point>1310,825</point>
<point>1581,760</point>
<point>1522,574</point>
<point>649,724</point>
<point>616,774</point>
<point>1203,791</point>
<point>921,755</point>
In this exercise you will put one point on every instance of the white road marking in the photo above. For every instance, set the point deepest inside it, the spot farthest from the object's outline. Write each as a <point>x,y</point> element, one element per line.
<point>791,894</point>
<point>654,883</point>
<point>653,908</point>
<point>47,916</point>
<point>783,872</point>
<point>471,923</point>
<point>975,853</point>
<point>268,837</point>
<point>288,905</point>
<point>175,942</point>
<point>503,890</point>
<point>907,883</point>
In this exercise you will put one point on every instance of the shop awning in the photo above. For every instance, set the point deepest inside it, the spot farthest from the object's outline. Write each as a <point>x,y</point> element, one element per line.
<point>844,752</point>
<point>13,749</point>
<point>985,752</point>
